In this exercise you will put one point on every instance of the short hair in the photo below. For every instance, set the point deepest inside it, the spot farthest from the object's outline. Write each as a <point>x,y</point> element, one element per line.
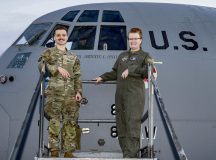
<point>136,30</point>
<point>60,27</point>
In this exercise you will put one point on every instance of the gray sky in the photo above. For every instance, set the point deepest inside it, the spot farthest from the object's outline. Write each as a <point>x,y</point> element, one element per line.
<point>15,16</point>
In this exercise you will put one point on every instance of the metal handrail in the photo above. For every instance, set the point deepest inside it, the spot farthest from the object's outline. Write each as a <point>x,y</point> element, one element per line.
<point>17,150</point>
<point>103,82</point>
<point>150,113</point>
<point>178,150</point>
<point>97,121</point>
<point>41,121</point>
<point>144,117</point>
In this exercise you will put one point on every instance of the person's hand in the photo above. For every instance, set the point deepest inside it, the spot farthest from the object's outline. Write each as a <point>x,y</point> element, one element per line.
<point>125,74</point>
<point>98,80</point>
<point>78,97</point>
<point>64,72</point>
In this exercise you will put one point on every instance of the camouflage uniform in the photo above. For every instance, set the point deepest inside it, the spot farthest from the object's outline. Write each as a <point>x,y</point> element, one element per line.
<point>129,98</point>
<point>60,101</point>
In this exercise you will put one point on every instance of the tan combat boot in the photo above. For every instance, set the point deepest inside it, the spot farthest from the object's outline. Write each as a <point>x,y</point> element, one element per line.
<point>68,155</point>
<point>54,153</point>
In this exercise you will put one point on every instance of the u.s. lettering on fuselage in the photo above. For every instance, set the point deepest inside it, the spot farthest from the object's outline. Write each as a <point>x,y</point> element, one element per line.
<point>162,42</point>
<point>188,37</point>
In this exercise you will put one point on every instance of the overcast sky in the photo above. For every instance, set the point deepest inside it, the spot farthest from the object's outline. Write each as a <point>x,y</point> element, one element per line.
<point>15,16</point>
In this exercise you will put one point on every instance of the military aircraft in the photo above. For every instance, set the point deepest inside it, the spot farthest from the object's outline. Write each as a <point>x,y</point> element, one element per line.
<point>181,36</point>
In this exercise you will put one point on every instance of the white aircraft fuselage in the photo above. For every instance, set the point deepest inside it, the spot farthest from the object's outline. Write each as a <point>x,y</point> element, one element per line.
<point>183,37</point>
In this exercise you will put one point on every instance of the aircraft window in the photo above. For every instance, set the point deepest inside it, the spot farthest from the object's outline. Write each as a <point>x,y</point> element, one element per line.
<point>34,33</point>
<point>112,16</point>
<point>89,16</point>
<point>82,38</point>
<point>70,16</point>
<point>112,38</point>
<point>19,60</point>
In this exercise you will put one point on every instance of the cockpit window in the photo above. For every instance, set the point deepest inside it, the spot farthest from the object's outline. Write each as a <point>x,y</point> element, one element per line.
<point>112,16</point>
<point>89,16</point>
<point>70,16</point>
<point>33,34</point>
<point>82,38</point>
<point>112,38</point>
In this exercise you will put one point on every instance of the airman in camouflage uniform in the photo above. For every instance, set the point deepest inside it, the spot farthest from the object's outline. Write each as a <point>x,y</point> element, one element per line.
<point>129,71</point>
<point>63,95</point>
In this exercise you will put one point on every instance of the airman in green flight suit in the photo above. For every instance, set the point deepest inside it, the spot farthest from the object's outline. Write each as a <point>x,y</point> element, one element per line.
<point>129,71</point>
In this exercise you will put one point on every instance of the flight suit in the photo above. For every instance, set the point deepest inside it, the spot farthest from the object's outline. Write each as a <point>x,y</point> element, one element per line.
<point>60,99</point>
<point>129,98</point>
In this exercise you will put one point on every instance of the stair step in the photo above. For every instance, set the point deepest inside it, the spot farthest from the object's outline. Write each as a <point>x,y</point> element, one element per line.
<point>94,156</point>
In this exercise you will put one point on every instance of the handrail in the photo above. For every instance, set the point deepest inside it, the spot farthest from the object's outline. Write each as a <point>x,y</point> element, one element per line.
<point>150,113</point>
<point>96,121</point>
<point>23,134</point>
<point>41,121</point>
<point>144,117</point>
<point>177,148</point>
<point>93,82</point>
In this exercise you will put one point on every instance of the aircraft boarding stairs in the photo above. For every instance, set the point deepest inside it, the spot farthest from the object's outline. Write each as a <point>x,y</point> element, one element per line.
<point>146,153</point>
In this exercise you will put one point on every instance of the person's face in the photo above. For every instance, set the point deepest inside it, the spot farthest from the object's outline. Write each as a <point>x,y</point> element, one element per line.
<point>134,41</point>
<point>60,37</point>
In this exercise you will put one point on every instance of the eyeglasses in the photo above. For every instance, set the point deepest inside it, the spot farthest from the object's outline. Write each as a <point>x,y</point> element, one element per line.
<point>131,39</point>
